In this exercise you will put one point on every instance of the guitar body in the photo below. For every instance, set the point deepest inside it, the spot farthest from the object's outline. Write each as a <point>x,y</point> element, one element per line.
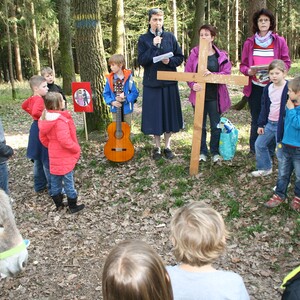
<point>118,148</point>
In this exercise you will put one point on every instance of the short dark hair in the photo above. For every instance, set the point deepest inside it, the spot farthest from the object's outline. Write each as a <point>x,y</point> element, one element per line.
<point>257,14</point>
<point>212,29</point>
<point>155,11</point>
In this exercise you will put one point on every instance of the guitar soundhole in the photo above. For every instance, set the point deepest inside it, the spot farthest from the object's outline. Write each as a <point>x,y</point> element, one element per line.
<point>119,135</point>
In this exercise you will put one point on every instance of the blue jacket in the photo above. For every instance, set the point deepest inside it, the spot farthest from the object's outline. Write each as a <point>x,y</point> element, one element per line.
<point>292,127</point>
<point>146,52</point>
<point>129,88</point>
<point>265,110</point>
<point>5,151</point>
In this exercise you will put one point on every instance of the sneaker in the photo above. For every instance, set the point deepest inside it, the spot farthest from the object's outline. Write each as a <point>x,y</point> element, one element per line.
<point>156,154</point>
<point>260,173</point>
<point>217,158</point>
<point>168,153</point>
<point>203,157</point>
<point>295,204</point>
<point>274,201</point>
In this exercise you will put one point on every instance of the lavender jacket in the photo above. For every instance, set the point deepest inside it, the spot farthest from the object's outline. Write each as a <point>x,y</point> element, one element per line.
<point>281,51</point>
<point>224,102</point>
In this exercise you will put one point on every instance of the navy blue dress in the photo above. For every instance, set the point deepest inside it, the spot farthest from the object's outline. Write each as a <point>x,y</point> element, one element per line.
<point>161,107</point>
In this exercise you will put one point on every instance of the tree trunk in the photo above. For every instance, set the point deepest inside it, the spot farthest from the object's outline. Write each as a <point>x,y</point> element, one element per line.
<point>65,44</point>
<point>14,27</point>
<point>175,18</point>
<point>198,21</point>
<point>91,56</point>
<point>236,58</point>
<point>9,51</point>
<point>37,65</point>
<point>117,27</point>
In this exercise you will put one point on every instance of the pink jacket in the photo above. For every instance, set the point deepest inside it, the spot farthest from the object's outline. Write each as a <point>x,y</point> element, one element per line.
<point>224,102</point>
<point>281,51</point>
<point>58,134</point>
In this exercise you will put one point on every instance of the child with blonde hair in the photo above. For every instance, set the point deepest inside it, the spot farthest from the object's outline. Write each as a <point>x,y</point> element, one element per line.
<point>34,106</point>
<point>134,271</point>
<point>198,234</point>
<point>120,90</point>
<point>58,134</point>
<point>271,118</point>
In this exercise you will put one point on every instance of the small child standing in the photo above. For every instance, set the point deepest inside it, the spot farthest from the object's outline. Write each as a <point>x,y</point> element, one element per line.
<point>49,75</point>
<point>290,150</point>
<point>270,121</point>
<point>199,235</point>
<point>115,97</point>
<point>58,134</point>
<point>34,106</point>
<point>5,153</point>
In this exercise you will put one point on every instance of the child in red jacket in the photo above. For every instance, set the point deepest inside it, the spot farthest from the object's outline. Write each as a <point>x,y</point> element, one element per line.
<point>34,106</point>
<point>58,134</point>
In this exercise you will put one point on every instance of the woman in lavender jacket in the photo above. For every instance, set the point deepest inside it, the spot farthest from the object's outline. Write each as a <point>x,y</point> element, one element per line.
<point>261,49</point>
<point>217,99</point>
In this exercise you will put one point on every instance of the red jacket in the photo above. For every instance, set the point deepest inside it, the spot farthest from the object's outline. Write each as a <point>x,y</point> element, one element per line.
<point>58,134</point>
<point>34,105</point>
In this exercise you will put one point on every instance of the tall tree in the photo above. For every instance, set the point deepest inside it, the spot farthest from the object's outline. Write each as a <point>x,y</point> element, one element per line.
<point>65,44</point>
<point>117,27</point>
<point>91,56</point>
<point>37,64</point>
<point>198,21</point>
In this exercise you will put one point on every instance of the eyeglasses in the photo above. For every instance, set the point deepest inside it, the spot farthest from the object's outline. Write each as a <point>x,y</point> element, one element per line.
<point>263,20</point>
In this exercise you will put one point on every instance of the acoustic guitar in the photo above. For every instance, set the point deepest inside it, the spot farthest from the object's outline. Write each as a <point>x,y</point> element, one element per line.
<point>118,147</point>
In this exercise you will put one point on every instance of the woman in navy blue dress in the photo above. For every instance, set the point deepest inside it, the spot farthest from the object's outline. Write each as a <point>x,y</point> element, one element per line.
<point>161,108</point>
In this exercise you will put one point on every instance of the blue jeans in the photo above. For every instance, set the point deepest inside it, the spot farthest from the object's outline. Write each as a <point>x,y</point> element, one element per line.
<point>58,182</point>
<point>211,109</point>
<point>254,101</point>
<point>41,176</point>
<point>4,177</point>
<point>290,161</point>
<point>262,148</point>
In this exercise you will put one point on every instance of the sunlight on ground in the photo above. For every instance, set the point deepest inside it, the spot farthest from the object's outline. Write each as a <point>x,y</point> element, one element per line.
<point>17,141</point>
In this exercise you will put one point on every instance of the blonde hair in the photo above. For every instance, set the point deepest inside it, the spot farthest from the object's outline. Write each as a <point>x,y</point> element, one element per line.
<point>47,70</point>
<point>134,271</point>
<point>53,101</point>
<point>35,81</point>
<point>294,84</point>
<point>117,59</point>
<point>198,233</point>
<point>277,63</point>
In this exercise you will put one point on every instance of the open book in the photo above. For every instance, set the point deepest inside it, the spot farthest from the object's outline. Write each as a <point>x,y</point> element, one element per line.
<point>161,57</point>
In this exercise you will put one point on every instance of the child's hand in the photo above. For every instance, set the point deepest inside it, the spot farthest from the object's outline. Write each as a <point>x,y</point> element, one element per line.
<point>260,130</point>
<point>116,104</point>
<point>121,97</point>
<point>290,104</point>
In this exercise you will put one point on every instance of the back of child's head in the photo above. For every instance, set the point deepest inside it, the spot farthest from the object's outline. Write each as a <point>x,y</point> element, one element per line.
<point>198,233</point>
<point>35,81</point>
<point>117,59</point>
<point>53,101</point>
<point>47,70</point>
<point>294,84</point>
<point>134,271</point>
<point>277,64</point>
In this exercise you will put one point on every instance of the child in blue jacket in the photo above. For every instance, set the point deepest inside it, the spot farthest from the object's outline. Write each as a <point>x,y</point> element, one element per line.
<point>120,90</point>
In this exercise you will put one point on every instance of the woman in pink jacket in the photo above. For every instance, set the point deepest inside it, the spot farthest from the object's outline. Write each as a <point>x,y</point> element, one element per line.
<point>217,99</point>
<point>58,134</point>
<point>260,50</point>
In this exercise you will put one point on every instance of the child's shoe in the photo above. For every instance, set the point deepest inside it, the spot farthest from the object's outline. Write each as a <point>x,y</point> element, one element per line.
<point>295,204</point>
<point>73,207</point>
<point>203,157</point>
<point>274,201</point>
<point>260,173</point>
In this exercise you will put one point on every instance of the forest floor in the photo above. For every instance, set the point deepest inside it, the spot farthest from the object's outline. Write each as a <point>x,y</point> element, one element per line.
<point>135,200</point>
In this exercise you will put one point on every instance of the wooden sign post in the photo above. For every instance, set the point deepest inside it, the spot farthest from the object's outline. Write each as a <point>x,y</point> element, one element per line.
<point>200,96</point>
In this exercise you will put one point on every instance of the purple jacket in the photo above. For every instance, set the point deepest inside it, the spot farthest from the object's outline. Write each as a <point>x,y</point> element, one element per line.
<point>224,102</point>
<point>281,51</point>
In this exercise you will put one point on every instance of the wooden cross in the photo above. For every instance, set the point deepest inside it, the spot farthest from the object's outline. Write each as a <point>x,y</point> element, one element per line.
<point>200,96</point>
